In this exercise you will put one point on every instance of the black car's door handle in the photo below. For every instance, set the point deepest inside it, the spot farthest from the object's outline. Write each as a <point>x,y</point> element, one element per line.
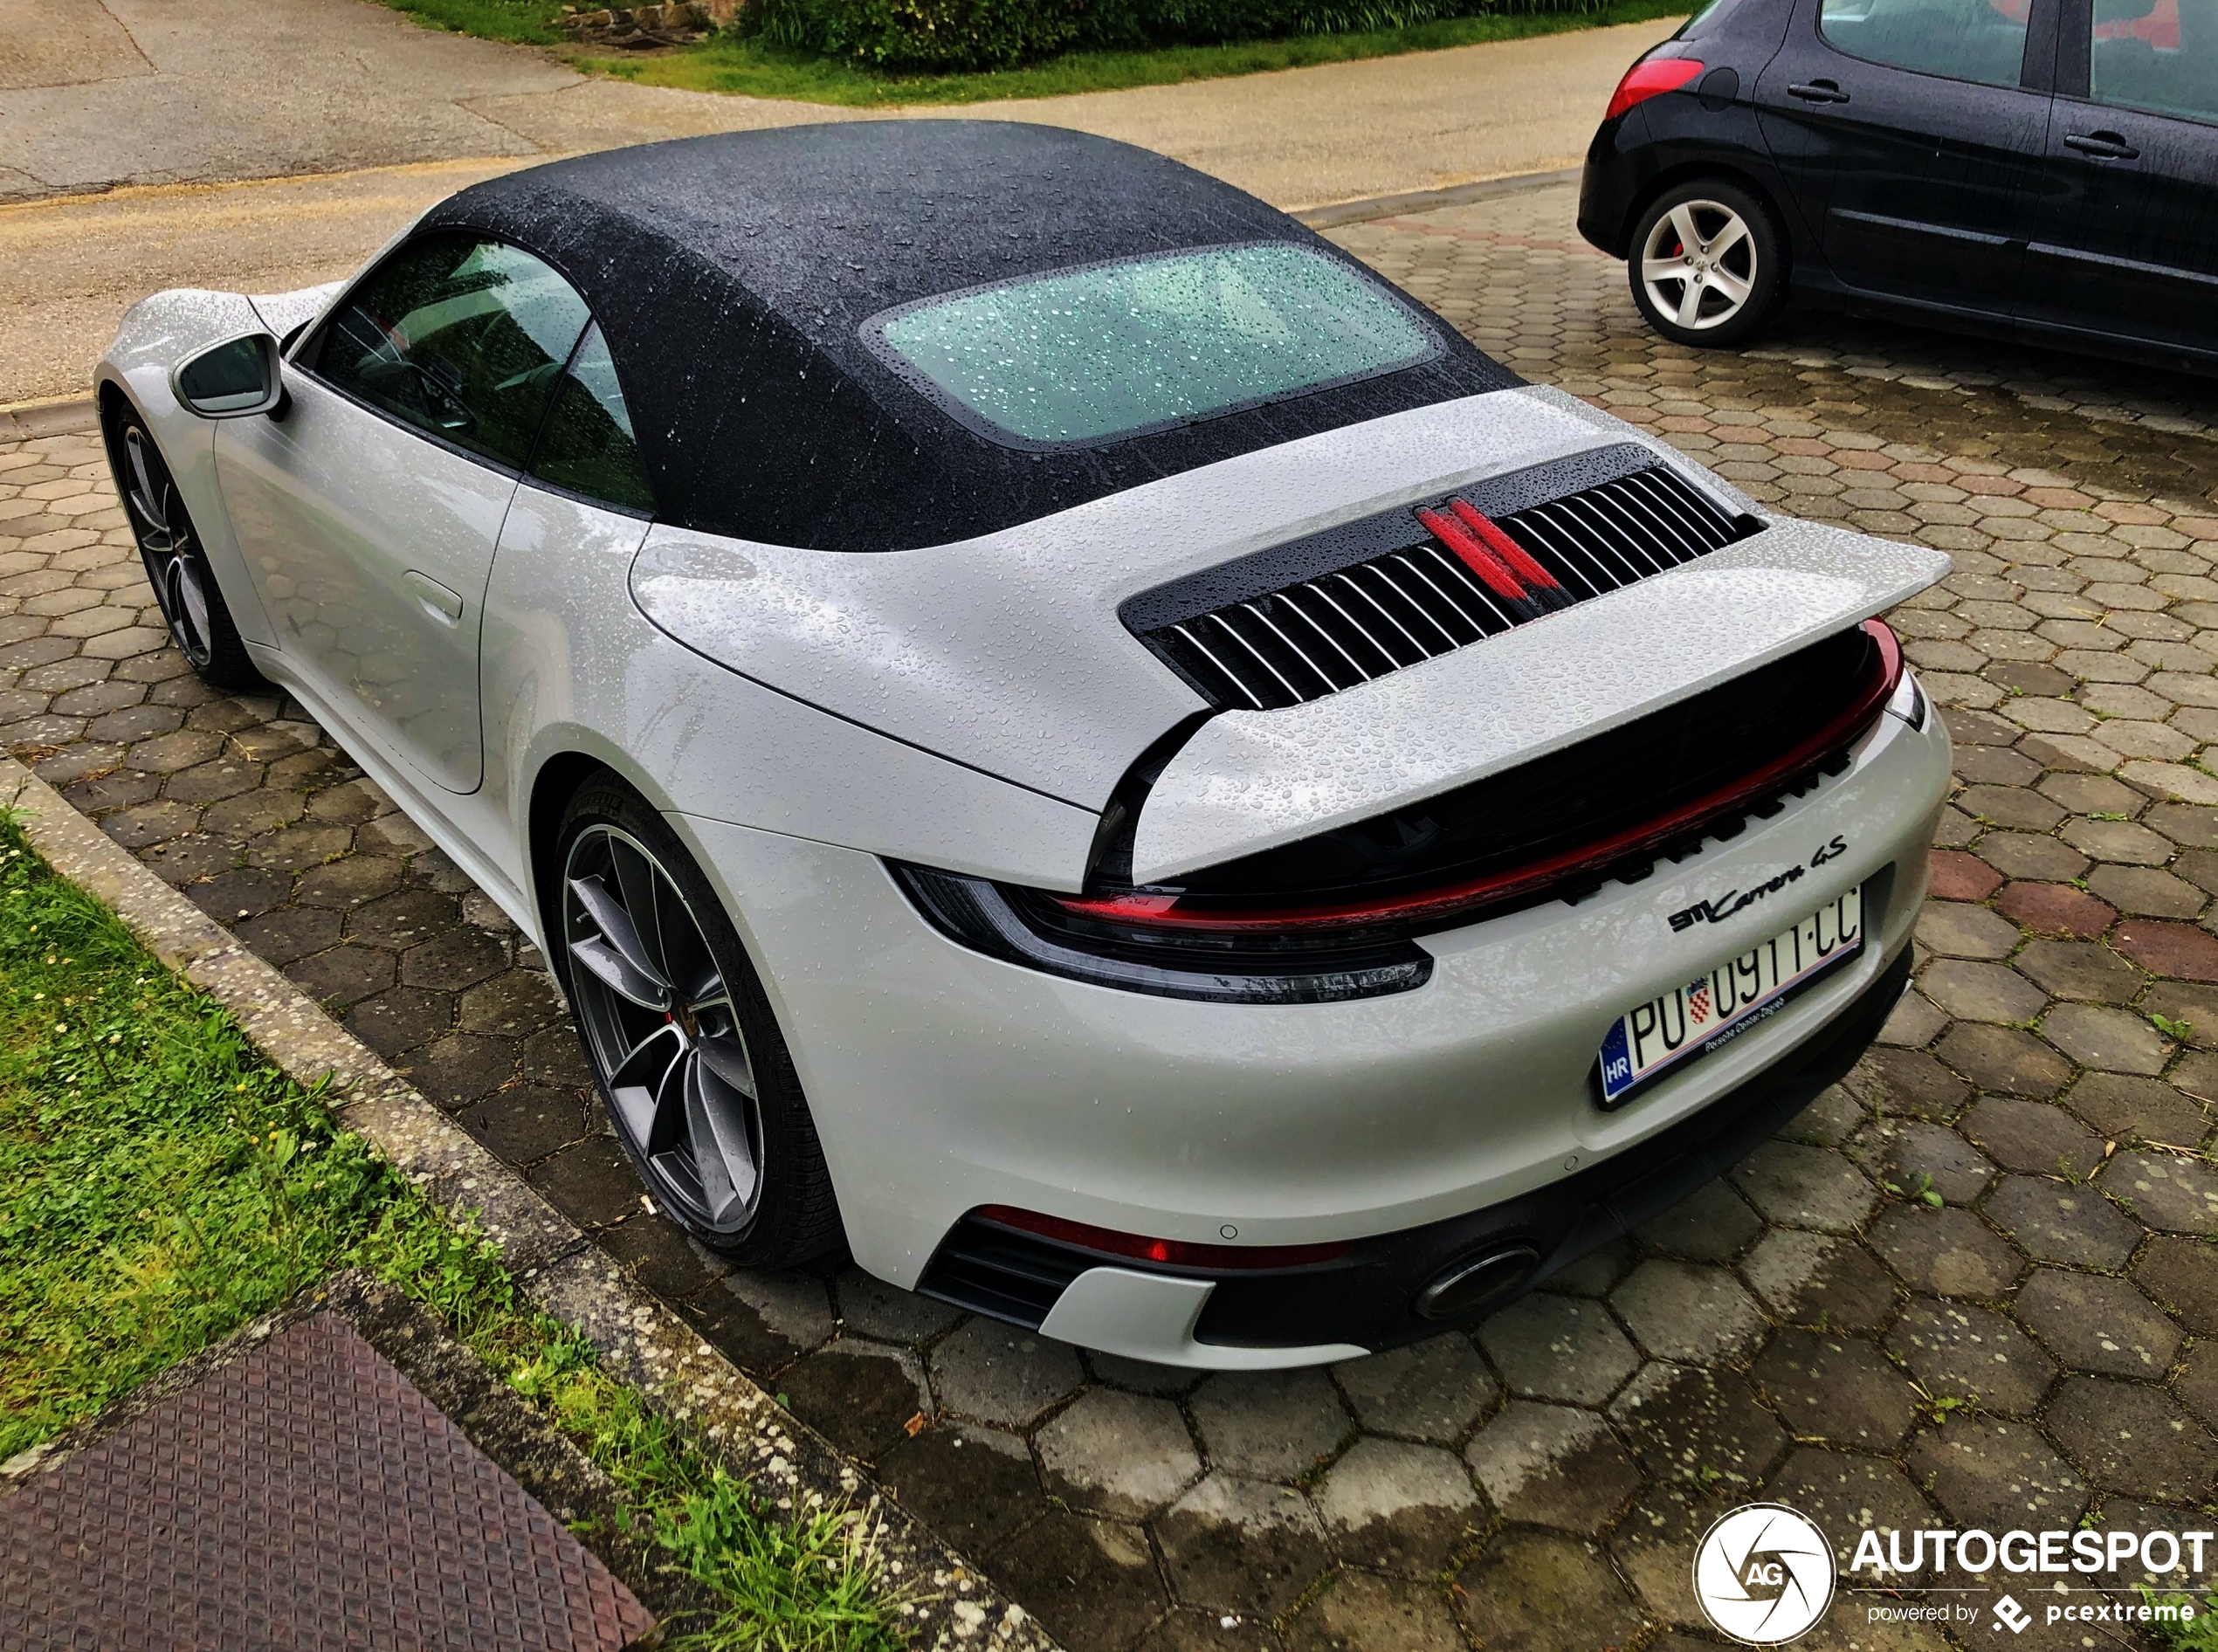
<point>1818,92</point>
<point>2107,146</point>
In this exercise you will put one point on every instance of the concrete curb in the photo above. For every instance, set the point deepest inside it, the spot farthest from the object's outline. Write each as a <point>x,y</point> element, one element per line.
<point>1393,206</point>
<point>791,1467</point>
<point>24,420</point>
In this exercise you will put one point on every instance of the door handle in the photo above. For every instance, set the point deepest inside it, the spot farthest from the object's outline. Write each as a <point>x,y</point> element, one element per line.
<point>442,604</point>
<point>2103,146</point>
<point>1818,92</point>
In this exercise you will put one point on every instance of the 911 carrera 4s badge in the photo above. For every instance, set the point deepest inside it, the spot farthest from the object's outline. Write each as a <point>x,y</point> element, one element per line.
<point>1712,1010</point>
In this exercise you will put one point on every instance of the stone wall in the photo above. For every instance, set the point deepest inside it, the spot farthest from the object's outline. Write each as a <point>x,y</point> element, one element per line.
<point>636,27</point>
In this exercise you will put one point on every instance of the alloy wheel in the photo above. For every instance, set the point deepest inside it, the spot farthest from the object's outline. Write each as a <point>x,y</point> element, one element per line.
<point>175,566</point>
<point>1699,265</point>
<point>663,1031</point>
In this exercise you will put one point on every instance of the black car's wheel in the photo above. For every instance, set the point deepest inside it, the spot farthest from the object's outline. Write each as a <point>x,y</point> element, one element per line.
<point>688,1057</point>
<point>184,585</point>
<point>1709,265</point>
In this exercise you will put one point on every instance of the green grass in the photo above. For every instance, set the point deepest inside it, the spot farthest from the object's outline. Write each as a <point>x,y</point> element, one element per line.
<point>522,22</point>
<point>2198,1633</point>
<point>164,1183</point>
<point>736,65</point>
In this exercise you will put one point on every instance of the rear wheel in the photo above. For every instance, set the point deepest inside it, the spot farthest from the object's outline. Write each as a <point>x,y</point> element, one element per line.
<point>1709,265</point>
<point>687,1056</point>
<point>184,585</point>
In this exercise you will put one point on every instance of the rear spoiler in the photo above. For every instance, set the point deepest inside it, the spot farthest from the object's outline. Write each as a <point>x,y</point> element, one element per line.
<point>1252,781</point>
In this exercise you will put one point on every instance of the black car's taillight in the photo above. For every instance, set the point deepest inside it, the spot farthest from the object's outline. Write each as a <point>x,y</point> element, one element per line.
<point>1649,78</point>
<point>1039,930</point>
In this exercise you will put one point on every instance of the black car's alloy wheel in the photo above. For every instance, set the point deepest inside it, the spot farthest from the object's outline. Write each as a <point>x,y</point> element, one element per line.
<point>688,1059</point>
<point>184,585</point>
<point>1708,264</point>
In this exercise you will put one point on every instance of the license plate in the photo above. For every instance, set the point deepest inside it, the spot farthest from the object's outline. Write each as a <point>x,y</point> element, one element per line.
<point>1712,1010</point>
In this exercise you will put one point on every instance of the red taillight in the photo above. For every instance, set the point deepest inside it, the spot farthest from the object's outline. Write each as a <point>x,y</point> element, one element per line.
<point>1176,1253</point>
<point>1647,79</point>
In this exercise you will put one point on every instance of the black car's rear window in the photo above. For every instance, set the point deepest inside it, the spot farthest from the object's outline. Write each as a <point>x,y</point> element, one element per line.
<point>1113,350</point>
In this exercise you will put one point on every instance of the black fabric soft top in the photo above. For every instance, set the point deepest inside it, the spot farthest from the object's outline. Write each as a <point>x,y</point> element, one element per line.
<point>731,273</point>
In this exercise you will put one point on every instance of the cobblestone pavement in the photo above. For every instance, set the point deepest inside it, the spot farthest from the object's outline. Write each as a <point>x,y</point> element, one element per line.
<point>2034,1341</point>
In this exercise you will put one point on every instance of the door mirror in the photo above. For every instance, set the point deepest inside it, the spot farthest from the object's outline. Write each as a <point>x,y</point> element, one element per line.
<point>233,379</point>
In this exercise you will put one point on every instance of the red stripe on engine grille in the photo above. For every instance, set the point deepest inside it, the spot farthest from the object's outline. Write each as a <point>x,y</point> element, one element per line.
<point>1503,546</point>
<point>1173,912</point>
<point>1475,556</point>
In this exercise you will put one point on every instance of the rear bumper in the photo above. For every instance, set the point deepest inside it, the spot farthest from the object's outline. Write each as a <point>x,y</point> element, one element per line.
<point>1365,1300</point>
<point>1402,1126</point>
<point>1612,177</point>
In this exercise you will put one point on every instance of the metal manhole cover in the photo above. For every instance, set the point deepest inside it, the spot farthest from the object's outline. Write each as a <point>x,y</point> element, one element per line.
<point>303,1494</point>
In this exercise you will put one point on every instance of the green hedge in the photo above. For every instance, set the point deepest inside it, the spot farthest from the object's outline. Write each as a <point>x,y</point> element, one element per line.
<point>945,36</point>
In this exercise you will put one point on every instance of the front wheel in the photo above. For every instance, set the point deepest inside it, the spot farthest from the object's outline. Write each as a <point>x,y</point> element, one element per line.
<point>688,1058</point>
<point>184,585</point>
<point>1709,265</point>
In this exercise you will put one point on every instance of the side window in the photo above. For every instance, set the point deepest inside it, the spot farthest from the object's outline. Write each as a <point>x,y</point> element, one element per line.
<point>587,446</point>
<point>459,337</point>
<point>1708,20</point>
<point>2157,55</point>
<point>1983,41</point>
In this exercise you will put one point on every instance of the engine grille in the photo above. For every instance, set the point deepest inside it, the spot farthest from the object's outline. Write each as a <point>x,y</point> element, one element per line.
<point>1430,591</point>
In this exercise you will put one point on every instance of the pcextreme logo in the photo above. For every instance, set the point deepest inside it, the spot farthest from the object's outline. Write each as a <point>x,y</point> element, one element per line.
<point>1764,1575</point>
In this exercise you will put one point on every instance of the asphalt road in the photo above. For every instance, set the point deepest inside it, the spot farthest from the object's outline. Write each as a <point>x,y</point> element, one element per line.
<point>265,146</point>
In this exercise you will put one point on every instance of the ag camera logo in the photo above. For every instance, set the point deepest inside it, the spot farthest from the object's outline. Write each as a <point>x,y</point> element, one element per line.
<point>1764,1575</point>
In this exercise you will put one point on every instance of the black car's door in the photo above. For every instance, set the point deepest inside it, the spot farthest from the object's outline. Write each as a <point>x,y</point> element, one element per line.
<point>2128,244</point>
<point>1912,132</point>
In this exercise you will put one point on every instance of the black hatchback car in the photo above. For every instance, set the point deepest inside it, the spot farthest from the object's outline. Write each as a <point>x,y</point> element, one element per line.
<point>2039,169</point>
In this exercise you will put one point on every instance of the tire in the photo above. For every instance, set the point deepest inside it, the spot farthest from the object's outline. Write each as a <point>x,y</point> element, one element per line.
<point>684,1049</point>
<point>184,584</point>
<point>1718,286</point>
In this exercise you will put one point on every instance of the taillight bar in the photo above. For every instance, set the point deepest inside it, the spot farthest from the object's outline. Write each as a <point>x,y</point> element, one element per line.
<point>1186,914</point>
<point>1175,1253</point>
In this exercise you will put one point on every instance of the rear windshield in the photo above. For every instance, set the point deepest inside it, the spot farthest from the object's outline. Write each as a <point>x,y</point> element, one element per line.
<point>1113,350</point>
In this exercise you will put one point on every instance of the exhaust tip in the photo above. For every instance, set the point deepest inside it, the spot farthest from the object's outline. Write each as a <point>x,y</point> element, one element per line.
<point>1465,1286</point>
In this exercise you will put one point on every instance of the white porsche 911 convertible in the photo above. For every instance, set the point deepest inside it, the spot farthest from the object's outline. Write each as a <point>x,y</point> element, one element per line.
<point>1055,729</point>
